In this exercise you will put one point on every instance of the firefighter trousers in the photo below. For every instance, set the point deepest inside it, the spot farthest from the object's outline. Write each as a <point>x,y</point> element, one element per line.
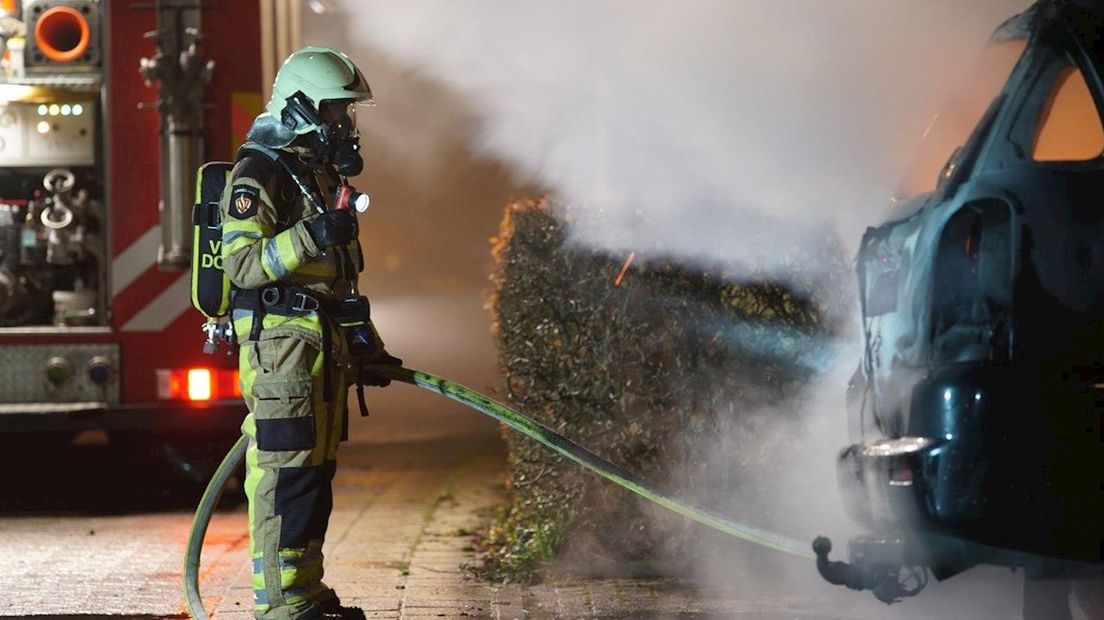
<point>290,460</point>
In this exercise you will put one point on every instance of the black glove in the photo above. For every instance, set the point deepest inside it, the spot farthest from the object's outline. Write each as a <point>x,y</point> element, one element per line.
<point>368,376</point>
<point>331,228</point>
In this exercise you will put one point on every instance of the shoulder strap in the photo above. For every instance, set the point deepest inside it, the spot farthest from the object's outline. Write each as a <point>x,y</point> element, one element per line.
<point>211,179</point>
<point>277,156</point>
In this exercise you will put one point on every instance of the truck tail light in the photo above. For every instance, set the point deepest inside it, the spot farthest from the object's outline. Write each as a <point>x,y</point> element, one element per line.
<point>198,384</point>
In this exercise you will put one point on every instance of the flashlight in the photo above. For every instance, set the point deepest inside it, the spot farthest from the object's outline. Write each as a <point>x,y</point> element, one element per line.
<point>347,198</point>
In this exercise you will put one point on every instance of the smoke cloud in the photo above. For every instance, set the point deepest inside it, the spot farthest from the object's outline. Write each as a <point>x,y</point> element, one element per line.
<point>712,131</point>
<point>707,129</point>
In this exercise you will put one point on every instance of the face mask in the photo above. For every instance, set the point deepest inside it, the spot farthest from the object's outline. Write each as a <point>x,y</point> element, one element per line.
<point>340,137</point>
<point>346,157</point>
<point>336,141</point>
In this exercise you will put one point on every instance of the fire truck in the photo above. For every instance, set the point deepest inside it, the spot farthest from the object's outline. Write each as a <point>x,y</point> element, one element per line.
<point>107,108</point>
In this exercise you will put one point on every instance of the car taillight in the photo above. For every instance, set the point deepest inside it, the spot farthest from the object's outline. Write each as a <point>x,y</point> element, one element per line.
<point>900,477</point>
<point>197,384</point>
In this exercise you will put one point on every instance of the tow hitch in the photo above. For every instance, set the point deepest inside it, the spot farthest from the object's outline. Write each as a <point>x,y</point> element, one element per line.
<point>880,565</point>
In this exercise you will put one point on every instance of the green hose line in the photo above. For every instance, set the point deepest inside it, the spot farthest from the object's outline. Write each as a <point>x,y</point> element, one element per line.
<point>530,428</point>
<point>202,519</point>
<point>593,462</point>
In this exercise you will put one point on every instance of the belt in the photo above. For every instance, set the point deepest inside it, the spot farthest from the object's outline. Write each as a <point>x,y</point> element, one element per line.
<point>280,300</point>
<point>297,301</point>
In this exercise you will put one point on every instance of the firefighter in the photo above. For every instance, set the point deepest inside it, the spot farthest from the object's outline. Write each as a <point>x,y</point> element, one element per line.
<point>303,330</point>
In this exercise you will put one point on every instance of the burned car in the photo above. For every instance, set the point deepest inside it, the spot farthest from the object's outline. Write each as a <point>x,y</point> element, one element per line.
<point>976,412</point>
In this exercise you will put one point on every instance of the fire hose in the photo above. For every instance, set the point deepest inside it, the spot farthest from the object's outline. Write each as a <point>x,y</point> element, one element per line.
<point>526,426</point>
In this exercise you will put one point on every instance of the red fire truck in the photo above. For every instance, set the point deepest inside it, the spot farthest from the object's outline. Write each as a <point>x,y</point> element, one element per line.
<point>107,108</point>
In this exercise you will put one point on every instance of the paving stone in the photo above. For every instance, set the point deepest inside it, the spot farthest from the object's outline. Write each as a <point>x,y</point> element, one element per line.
<point>401,529</point>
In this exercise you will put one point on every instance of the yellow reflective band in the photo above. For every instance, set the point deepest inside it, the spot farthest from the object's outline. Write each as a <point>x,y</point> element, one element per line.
<point>294,598</point>
<point>253,474</point>
<point>195,263</point>
<point>278,256</point>
<point>241,326</point>
<point>287,556</point>
<point>247,373</point>
<point>246,226</point>
<point>291,577</point>
<point>234,235</point>
<point>270,259</point>
<point>239,235</point>
<point>237,243</point>
<point>287,250</point>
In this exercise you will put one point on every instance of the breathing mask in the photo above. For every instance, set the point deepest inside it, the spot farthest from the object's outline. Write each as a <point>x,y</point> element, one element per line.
<point>336,141</point>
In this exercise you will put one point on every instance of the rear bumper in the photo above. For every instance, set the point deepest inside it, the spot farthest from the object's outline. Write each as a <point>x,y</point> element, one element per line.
<point>209,416</point>
<point>989,457</point>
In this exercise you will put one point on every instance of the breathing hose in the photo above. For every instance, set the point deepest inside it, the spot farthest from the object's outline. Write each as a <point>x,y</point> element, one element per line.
<point>530,428</point>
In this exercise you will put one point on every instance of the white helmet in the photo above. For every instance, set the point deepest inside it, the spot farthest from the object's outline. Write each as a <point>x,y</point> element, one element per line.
<point>308,78</point>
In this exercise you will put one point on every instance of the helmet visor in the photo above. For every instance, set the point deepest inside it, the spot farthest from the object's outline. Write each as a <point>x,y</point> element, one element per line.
<point>340,115</point>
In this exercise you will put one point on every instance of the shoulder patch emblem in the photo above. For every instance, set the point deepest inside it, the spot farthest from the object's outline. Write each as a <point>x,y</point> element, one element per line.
<point>243,201</point>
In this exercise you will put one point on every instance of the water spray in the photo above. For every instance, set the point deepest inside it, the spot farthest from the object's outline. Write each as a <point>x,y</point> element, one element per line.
<point>516,421</point>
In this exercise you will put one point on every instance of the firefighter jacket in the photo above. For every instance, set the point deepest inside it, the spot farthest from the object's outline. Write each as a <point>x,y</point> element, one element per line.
<point>265,238</point>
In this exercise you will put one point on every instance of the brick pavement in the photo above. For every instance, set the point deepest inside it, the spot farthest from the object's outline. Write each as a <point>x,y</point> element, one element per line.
<point>403,524</point>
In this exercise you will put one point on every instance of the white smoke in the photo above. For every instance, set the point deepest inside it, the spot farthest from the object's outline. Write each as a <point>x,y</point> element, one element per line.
<point>704,128</point>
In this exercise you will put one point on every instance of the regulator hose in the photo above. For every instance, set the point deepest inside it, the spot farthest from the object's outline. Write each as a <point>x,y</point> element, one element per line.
<point>530,428</point>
